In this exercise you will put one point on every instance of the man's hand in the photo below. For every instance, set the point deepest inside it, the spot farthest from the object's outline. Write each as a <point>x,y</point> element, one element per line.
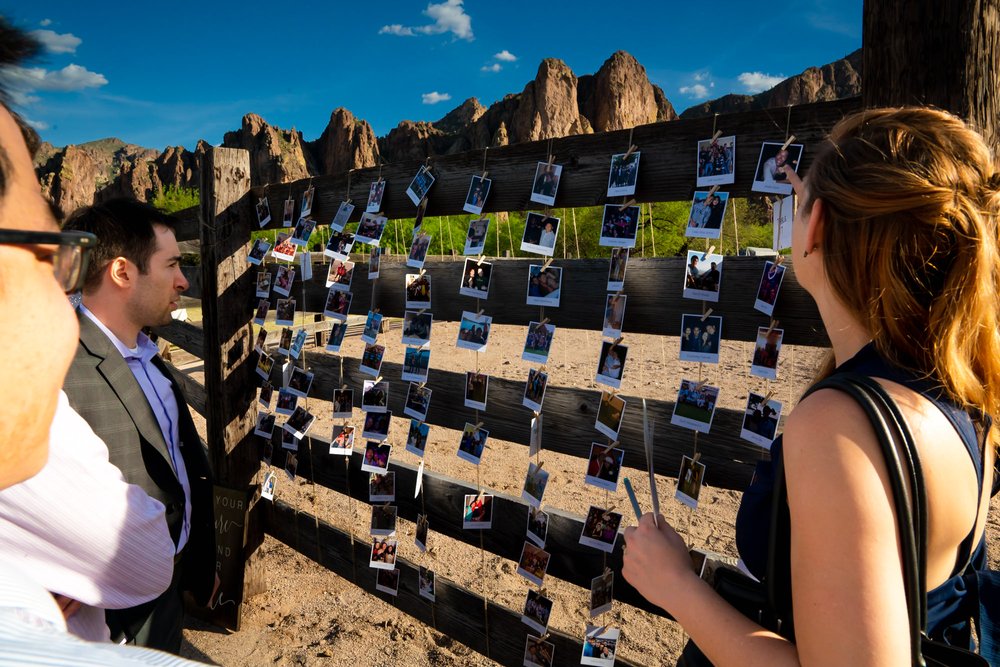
<point>67,605</point>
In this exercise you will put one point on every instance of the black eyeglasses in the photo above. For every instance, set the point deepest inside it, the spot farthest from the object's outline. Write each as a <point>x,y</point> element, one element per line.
<point>69,264</point>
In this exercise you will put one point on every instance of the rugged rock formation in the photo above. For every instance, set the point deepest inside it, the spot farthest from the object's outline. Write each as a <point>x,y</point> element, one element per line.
<point>547,107</point>
<point>276,155</point>
<point>461,117</point>
<point>346,143</point>
<point>621,96</point>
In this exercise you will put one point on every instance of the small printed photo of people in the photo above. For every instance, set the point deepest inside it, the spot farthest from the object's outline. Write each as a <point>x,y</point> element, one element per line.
<point>534,485</point>
<point>373,324</point>
<point>707,214</point>
<point>695,406</point>
<point>473,443</point>
<point>265,363</point>
<point>616,272</point>
<point>418,400</point>
<point>544,285</point>
<point>370,228</point>
<point>267,488</point>
<point>700,338</point>
<point>299,423</point>
<point>285,312</point>
<point>305,265</point>
<point>716,161</point>
<point>291,465</point>
<point>263,211</point>
<point>418,290</point>
<point>533,563</point>
<point>303,231</point>
<point>770,284</point>
<point>376,427</point>
<point>539,342</point>
<point>624,173</point>
<point>760,420</point>
<point>264,285</point>
<point>371,360</point>
<point>420,185</point>
<point>285,341</point>
<point>620,226</point>
<point>609,415</point>
<point>288,440</point>
<point>416,361</point>
<point>479,189</point>
<point>600,529</point>
<point>266,393</point>
<point>339,246</point>
<point>258,345</point>
<point>284,249</point>
<point>765,353</point>
<point>383,520</point>
<point>375,193</point>
<point>340,275</point>
<point>538,526</point>
<point>307,202</point>
<point>474,331</point>
<point>343,215</point>
<point>604,466</point>
<point>343,403</point>
<point>375,396</point>
<point>383,553</point>
<point>689,480</point>
<point>535,435</point>
<point>420,535</point>
<point>476,279</point>
<point>770,175</point>
<point>601,593</point>
<point>374,261</point>
<point>614,315</point>
<point>538,652</point>
<point>387,581</point>
<point>702,276</point>
<point>546,183</point>
<point>425,583</point>
<point>534,389</point>
<point>258,251</point>
<point>265,425</point>
<point>611,364</point>
<point>300,382</point>
<point>477,512</point>
<point>376,454</point>
<point>537,610</point>
<point>416,437</point>
<point>342,442</point>
<point>540,234</point>
<point>475,239</point>
<point>418,251</point>
<point>476,387</point>
<point>338,302</point>
<point>417,328</point>
<point>599,646</point>
<point>284,280</point>
<point>288,214</point>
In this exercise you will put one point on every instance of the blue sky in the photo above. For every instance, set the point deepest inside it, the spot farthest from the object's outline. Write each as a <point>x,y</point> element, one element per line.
<point>159,75</point>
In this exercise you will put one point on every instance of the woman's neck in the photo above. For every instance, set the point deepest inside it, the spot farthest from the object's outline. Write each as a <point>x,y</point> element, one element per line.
<point>847,335</point>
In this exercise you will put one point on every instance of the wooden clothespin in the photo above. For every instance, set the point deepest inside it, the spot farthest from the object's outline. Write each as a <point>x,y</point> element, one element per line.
<point>422,272</point>
<point>542,324</point>
<point>617,341</point>
<point>482,492</point>
<point>548,261</point>
<point>768,397</point>
<point>697,455</point>
<point>479,261</point>
<point>774,323</point>
<point>423,202</point>
<point>484,175</point>
<point>708,252</point>
<point>480,313</point>
<point>630,202</point>
<point>628,153</point>
<point>788,141</point>
<point>711,193</point>
<point>607,570</point>
<point>377,380</point>
<point>715,137</point>
<point>707,313</point>
<point>701,384</point>
<point>539,466</point>
<point>611,445</point>
<point>619,293</point>
<point>343,387</point>
<point>780,260</point>
<point>552,158</point>
<point>479,425</point>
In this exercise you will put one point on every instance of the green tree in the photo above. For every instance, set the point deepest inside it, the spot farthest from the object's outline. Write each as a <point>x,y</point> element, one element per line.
<point>173,199</point>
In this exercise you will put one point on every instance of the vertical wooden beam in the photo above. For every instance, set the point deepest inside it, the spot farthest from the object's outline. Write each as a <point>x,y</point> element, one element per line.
<point>227,292</point>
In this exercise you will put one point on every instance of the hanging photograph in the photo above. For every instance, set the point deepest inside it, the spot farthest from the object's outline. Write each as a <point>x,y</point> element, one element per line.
<point>614,315</point>
<point>611,364</point>
<point>420,536</point>
<point>286,402</point>
<point>340,275</point>
<point>538,526</point>
<point>477,511</point>
<point>261,338</point>
<point>619,226</point>
<point>383,523</point>
<point>419,186</point>
<point>284,341</point>
<point>373,325</point>
<point>538,652</point>
<point>258,251</point>
<point>533,563</point>
<point>375,193</point>
<point>383,554</point>
<point>338,302</point>
<point>539,342</point>
<point>387,581</point>
<point>336,337</point>
<point>265,425</point>
<point>616,272</point>
<point>304,229</point>
<point>546,183</point>
<point>284,249</point>
<point>707,213</point>
<point>343,403</point>
<point>343,215</point>
<point>716,162</point>
<point>418,251</point>
<point>342,442</point>
<point>339,246</point>
<point>288,214</point>
<point>374,260</point>
<point>624,173</point>
<point>375,396</point>
<point>418,290</point>
<point>425,583</point>
<point>291,465</point>
<point>700,338</point>
<point>695,406</point>
<point>702,276</point>
<point>289,441</point>
<point>416,438</point>
<point>299,422</point>
<point>417,328</point>
<point>370,229</point>
<point>540,234</point>
<point>770,176</point>
<point>474,331</point>
<point>300,382</point>
<point>604,466</point>
<point>263,285</point>
<point>544,285</point>
<point>765,353</point>
<point>537,610</point>
<point>376,455</point>
<point>284,279</point>
<point>770,284</point>
<point>263,211</point>
<point>599,646</point>
<point>473,443</point>
<point>479,189</point>
<point>476,279</point>
<point>534,389</point>
<point>600,529</point>
<point>307,202</point>
<point>760,420</point>
<point>534,485</point>
<point>418,400</point>
<point>609,414</point>
<point>267,487</point>
<point>475,238</point>
<point>264,365</point>
<point>285,312</point>
<point>601,593</point>
<point>689,480</point>
<point>415,364</point>
<point>476,387</point>
<point>371,360</point>
<point>261,313</point>
<point>266,394</point>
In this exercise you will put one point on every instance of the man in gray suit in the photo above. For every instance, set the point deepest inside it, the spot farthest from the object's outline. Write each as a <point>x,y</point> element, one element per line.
<point>119,385</point>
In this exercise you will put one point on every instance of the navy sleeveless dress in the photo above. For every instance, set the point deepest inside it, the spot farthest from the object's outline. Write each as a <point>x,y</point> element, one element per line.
<point>950,605</point>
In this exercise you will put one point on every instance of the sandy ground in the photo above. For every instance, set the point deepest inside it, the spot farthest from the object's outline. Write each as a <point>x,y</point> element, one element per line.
<point>309,616</point>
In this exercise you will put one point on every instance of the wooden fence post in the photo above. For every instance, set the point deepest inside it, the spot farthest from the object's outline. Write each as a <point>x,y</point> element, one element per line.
<point>227,296</point>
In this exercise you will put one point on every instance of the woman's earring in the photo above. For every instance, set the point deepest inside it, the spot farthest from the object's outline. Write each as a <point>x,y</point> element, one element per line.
<point>805,253</point>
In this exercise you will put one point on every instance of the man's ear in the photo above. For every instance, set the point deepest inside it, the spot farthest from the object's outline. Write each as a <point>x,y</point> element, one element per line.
<point>120,270</point>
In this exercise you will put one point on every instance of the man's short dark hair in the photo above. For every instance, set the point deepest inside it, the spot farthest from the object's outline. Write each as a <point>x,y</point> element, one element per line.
<point>16,46</point>
<point>125,228</point>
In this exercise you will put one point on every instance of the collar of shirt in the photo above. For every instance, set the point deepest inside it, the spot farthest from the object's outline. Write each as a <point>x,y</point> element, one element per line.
<point>144,350</point>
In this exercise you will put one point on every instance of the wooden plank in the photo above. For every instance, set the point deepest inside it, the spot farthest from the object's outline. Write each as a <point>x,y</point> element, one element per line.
<point>457,612</point>
<point>189,337</point>
<point>188,224</point>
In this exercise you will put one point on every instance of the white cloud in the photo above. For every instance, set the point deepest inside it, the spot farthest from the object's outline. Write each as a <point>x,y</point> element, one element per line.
<point>757,82</point>
<point>45,22</point>
<point>506,56</point>
<point>435,97</point>
<point>449,16</point>
<point>495,67</point>
<point>55,42</point>
<point>699,76</point>
<point>697,91</point>
<point>36,124</point>
<point>25,80</point>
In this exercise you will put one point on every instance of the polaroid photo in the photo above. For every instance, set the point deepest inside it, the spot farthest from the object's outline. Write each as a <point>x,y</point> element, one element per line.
<point>611,364</point>
<point>342,216</point>
<point>261,341</point>
<point>600,530</point>
<point>307,202</point>
<point>533,563</point>
<point>371,360</point>
<point>477,511</point>
<point>418,251</point>
<point>623,175</point>
<point>476,387</point>
<point>420,185</point>
<point>602,593</point>
<point>770,284</point>
<point>476,279</point>
<point>418,290</point>
<point>285,341</point>
<point>263,211</point>
<point>474,331</point>
<point>339,246</point>
<point>614,315</point>
<point>376,427</point>
<point>335,338</point>
<point>338,302</point>
<point>760,420</point>
<point>604,466</point>
<point>689,480</point>
<point>340,275</point>
<point>284,249</point>
<point>370,228</point>
<point>538,652</point>
<point>416,362</point>
<point>425,583</point>
<point>305,265</point>
<point>475,238</point>
<point>265,425</point>
<point>418,218</point>
<point>374,261</point>
<point>265,363</point>
<point>261,313</point>
<point>416,437</point>
<point>716,161</point>
<point>616,272</point>
<point>540,234</point>
<point>765,353</point>
<point>782,215</point>
<point>700,338</point>
<point>288,213</point>
<point>695,406</point>
<point>285,312</point>
<point>610,414</point>
<point>387,581</point>
<point>343,403</point>
<point>287,402</point>
<point>291,465</point>
<point>420,534</point>
<point>418,400</point>
<point>270,479</point>
<point>417,328</point>
<point>546,183</point>
<point>300,382</point>
<point>535,435</point>
<point>373,324</point>
<point>479,190</point>
<point>288,440</point>
<point>538,526</point>
<point>376,455</point>
<point>534,390</point>
<point>299,422</point>
<point>297,344</point>
<point>599,646</point>
<point>544,285</point>
<point>473,443</point>
<point>286,372</point>
<point>702,276</point>
<point>619,226</point>
<point>342,442</point>
<point>534,485</point>
<point>268,451</point>
<point>266,392</point>
<point>383,520</point>
<point>707,213</point>
<point>375,396</point>
<point>304,229</point>
<point>383,554</point>
<point>263,285</point>
<point>258,251</point>
<point>375,193</point>
<point>539,342</point>
<point>770,176</point>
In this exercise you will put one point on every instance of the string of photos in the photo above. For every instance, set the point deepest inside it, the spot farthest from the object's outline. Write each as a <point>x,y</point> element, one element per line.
<point>694,408</point>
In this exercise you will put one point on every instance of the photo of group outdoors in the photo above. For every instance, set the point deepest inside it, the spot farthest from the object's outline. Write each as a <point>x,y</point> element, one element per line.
<point>534,389</point>
<point>284,249</point>
<point>340,275</point>
<point>474,331</point>
<point>624,173</point>
<point>475,239</point>
<point>476,387</point>
<point>539,342</point>
<point>760,420</point>
<point>775,157</point>
<point>540,234</point>
<point>479,189</point>
<point>339,245</point>
<point>599,646</point>
<point>370,229</point>
<point>716,162</point>
<point>544,285</point>
<point>702,276</point>
<point>600,529</point>
<point>416,362</point>
<point>472,443</point>
<point>546,183</point>
<point>619,226</point>
<point>420,185</point>
<point>537,609</point>
<point>701,336</point>
<point>418,290</point>
<point>533,563</point>
<point>708,210</point>
<point>476,279</point>
<point>695,406</point>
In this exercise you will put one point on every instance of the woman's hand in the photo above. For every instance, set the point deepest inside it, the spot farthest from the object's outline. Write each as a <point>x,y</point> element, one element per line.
<point>656,560</point>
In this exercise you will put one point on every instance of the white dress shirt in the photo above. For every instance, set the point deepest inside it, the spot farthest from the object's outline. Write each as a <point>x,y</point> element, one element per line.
<point>81,531</point>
